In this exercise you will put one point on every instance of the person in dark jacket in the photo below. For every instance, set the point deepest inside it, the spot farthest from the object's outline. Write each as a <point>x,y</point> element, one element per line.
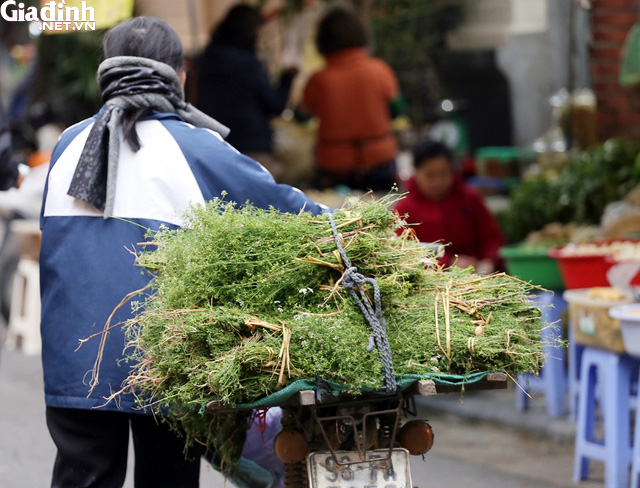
<point>445,209</point>
<point>135,167</point>
<point>9,174</point>
<point>234,88</point>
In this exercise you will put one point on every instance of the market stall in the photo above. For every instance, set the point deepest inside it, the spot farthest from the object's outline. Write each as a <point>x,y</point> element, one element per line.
<point>578,237</point>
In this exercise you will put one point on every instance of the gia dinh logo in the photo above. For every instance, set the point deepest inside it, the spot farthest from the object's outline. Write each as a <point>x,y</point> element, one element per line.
<point>54,16</point>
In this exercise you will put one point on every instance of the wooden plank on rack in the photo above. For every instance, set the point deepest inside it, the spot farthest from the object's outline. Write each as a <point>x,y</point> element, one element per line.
<point>306,397</point>
<point>427,388</point>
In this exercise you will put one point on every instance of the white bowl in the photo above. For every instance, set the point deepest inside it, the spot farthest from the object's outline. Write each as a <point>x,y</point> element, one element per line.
<point>629,317</point>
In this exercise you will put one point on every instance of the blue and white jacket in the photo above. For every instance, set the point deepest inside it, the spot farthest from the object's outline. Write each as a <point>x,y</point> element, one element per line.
<point>86,264</point>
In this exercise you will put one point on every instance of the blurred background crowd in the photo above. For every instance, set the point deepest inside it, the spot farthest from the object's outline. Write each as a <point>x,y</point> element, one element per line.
<point>518,91</point>
<point>509,85</point>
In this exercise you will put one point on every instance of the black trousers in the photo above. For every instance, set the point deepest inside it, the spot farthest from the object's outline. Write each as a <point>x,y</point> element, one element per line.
<point>93,444</point>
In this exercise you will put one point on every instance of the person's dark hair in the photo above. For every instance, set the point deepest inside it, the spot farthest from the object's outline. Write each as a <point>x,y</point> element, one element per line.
<point>429,149</point>
<point>239,28</point>
<point>143,37</point>
<point>340,29</point>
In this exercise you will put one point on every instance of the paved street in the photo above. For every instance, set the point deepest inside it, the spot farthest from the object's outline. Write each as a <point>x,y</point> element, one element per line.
<point>469,450</point>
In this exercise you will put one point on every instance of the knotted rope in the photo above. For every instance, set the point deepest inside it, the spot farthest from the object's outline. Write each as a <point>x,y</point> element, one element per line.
<point>352,281</point>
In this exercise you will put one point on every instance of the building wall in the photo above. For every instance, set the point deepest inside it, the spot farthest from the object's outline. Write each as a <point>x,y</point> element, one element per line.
<point>527,65</point>
<point>530,42</point>
<point>573,48</point>
<point>618,107</point>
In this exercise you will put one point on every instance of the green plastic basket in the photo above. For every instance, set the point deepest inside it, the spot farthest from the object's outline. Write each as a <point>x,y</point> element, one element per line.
<point>532,264</point>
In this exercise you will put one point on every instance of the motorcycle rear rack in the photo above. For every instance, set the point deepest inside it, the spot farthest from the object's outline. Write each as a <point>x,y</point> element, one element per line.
<point>360,433</point>
<point>307,398</point>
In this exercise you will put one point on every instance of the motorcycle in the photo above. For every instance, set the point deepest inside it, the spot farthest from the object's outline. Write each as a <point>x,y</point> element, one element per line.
<point>358,441</point>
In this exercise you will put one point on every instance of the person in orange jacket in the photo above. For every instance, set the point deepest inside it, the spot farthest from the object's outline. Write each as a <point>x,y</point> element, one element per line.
<point>355,97</point>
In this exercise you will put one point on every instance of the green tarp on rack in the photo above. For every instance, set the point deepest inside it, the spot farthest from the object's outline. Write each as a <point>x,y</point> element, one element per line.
<point>280,397</point>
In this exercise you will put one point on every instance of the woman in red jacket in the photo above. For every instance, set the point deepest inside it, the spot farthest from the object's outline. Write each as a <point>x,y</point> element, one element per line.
<point>444,209</point>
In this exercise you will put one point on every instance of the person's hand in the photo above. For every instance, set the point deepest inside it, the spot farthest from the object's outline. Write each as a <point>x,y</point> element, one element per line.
<point>463,261</point>
<point>485,267</point>
<point>19,180</point>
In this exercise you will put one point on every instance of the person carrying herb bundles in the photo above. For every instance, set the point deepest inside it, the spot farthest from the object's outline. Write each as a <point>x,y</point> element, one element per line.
<point>135,166</point>
<point>445,209</point>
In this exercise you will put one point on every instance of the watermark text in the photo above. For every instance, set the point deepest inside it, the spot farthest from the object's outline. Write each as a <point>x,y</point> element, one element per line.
<point>55,16</point>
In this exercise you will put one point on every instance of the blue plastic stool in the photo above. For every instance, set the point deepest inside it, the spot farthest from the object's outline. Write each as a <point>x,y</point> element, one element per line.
<point>573,374</point>
<point>635,464</point>
<point>614,372</point>
<point>553,378</point>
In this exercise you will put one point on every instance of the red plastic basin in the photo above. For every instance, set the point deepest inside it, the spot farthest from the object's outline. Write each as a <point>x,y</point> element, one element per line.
<point>585,271</point>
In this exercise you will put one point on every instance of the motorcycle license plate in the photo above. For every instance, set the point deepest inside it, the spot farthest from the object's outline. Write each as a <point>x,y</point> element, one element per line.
<point>325,473</point>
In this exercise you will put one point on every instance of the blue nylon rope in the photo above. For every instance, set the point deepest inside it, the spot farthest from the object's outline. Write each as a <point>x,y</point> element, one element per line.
<point>353,280</point>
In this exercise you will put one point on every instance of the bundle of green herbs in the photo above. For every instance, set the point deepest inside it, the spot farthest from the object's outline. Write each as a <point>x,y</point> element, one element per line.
<point>246,300</point>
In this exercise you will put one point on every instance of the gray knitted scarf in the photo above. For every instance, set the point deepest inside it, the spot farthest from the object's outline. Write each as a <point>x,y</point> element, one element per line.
<point>127,83</point>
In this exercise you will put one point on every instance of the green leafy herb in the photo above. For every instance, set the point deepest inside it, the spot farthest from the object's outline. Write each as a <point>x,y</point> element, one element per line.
<point>245,300</point>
